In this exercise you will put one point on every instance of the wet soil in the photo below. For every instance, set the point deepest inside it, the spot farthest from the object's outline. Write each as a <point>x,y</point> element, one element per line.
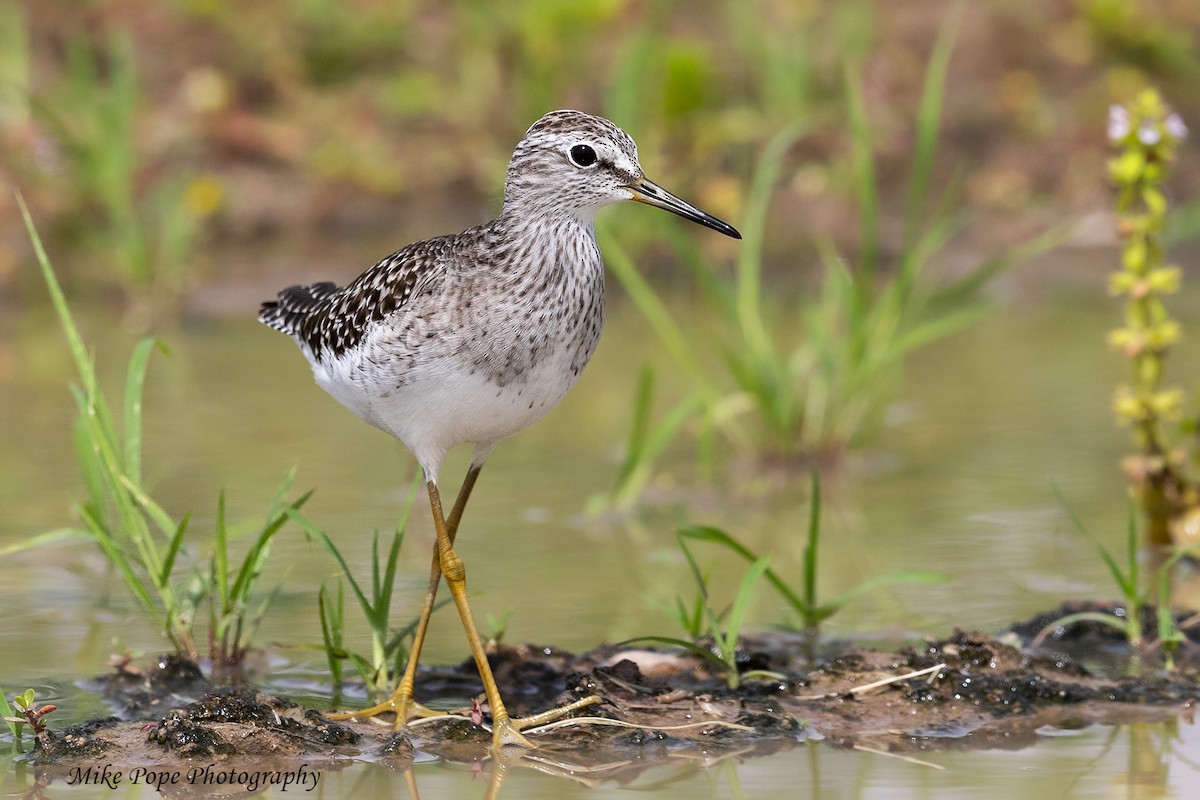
<point>967,691</point>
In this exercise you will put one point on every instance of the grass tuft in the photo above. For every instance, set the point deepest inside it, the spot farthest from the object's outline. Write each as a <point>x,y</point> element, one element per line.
<point>143,542</point>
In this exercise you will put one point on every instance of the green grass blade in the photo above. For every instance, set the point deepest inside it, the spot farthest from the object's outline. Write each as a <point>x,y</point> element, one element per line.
<point>50,537</point>
<point>408,630</point>
<point>652,307</point>
<point>749,264</point>
<point>811,547</point>
<point>376,578</point>
<point>173,547</point>
<point>936,328</point>
<point>829,608</point>
<point>221,554</point>
<point>148,504</point>
<point>865,185</point>
<point>630,486</point>
<point>1131,552</point>
<point>332,630</point>
<point>695,568</point>
<point>741,602</point>
<point>118,557</point>
<point>961,290</point>
<point>384,599</point>
<point>79,353</point>
<point>1125,584</point>
<point>135,380</point>
<point>704,533</point>
<point>256,619</point>
<point>7,711</point>
<point>1091,616</point>
<point>637,425</point>
<point>256,557</point>
<point>311,530</point>
<point>928,119</point>
<point>702,652</point>
<point>86,453</point>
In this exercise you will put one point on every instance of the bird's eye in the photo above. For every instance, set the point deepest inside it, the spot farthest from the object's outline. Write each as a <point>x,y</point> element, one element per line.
<point>583,155</point>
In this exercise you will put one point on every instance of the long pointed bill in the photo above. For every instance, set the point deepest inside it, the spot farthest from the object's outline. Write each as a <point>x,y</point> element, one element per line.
<point>650,193</point>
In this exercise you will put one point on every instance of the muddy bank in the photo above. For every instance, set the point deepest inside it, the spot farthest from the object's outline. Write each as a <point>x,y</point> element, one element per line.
<point>966,691</point>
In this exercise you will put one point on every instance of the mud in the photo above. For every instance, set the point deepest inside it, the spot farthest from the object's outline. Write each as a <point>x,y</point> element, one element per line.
<point>966,691</point>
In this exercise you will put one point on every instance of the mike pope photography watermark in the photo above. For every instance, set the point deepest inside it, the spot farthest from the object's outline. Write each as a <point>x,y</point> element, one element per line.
<point>301,778</point>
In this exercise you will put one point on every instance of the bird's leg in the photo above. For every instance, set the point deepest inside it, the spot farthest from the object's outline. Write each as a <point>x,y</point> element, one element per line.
<point>504,731</point>
<point>401,699</point>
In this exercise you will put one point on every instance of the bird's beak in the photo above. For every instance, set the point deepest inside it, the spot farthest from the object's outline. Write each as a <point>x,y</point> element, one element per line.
<point>650,193</point>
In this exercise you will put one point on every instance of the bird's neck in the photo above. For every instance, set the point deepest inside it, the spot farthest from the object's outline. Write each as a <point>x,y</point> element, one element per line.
<point>549,247</point>
<point>522,222</point>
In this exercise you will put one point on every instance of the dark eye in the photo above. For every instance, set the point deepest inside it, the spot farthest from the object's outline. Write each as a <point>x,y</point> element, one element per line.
<point>583,155</point>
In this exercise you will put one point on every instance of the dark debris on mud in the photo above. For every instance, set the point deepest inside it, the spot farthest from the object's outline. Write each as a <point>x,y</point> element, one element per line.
<point>965,691</point>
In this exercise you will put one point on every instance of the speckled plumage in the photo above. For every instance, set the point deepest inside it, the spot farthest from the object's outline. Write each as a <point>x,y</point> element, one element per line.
<point>469,338</point>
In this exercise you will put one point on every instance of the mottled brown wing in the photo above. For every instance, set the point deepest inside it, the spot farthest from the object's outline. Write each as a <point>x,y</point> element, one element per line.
<point>330,320</point>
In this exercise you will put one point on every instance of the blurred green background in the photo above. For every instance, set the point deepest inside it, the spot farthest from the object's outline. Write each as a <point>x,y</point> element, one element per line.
<point>149,135</point>
<point>185,159</point>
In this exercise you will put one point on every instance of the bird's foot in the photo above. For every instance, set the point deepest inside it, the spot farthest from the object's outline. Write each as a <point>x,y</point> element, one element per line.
<point>399,703</point>
<point>507,731</point>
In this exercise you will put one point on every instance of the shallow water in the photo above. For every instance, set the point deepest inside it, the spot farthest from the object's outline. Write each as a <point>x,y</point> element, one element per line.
<point>960,481</point>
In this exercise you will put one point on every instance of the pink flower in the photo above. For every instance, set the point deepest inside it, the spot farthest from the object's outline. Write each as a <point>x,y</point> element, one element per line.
<point>1118,123</point>
<point>1175,127</point>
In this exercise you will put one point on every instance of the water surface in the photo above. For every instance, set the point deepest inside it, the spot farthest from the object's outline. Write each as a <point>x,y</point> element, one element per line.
<point>985,425</point>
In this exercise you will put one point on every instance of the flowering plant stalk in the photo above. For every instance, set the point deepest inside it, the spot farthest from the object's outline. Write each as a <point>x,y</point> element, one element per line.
<point>1148,134</point>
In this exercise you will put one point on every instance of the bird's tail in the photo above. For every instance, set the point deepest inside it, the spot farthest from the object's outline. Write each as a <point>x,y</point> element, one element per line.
<point>293,305</point>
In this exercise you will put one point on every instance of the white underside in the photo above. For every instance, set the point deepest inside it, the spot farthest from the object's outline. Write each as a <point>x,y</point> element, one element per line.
<point>444,405</point>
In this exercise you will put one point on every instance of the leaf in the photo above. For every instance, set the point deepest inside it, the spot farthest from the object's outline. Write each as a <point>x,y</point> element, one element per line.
<point>928,118</point>
<point>891,579</point>
<point>50,537</point>
<point>695,649</point>
<point>741,602</point>
<point>710,534</point>
<point>173,547</point>
<point>1127,584</point>
<point>135,379</point>
<point>7,713</point>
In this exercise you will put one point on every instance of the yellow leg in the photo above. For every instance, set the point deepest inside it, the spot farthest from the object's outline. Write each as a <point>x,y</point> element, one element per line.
<point>401,699</point>
<point>505,730</point>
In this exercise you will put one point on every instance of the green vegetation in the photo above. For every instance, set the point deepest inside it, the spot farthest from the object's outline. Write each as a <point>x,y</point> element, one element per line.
<point>806,397</point>
<point>389,649</point>
<point>132,159</point>
<point>1148,133</point>
<point>810,613</point>
<point>646,440</point>
<point>27,713</point>
<point>1135,593</point>
<point>140,539</point>
<point>495,626</point>
<point>713,635</point>
<point>143,226</point>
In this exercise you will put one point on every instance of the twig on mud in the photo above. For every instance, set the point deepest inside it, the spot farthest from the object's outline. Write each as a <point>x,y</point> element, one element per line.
<point>909,759</point>
<point>930,671</point>
<point>618,723</point>
<point>412,723</point>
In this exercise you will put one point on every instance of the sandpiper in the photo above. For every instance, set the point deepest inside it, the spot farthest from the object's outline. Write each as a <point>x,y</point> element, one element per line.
<point>471,337</point>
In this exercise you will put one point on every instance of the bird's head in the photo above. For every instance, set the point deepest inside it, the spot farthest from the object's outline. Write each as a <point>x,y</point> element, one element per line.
<point>580,163</point>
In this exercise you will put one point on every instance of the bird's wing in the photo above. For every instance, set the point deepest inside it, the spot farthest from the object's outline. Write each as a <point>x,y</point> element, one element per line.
<point>330,320</point>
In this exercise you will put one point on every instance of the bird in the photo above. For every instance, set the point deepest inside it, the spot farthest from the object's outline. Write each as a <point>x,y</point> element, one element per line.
<point>471,337</point>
